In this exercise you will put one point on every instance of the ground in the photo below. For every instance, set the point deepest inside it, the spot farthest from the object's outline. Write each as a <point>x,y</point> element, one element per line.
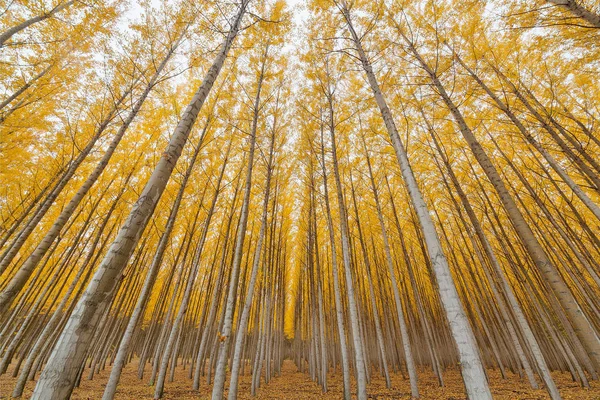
<point>296,385</point>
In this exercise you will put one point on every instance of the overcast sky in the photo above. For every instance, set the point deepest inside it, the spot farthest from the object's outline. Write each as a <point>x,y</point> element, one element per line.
<point>136,9</point>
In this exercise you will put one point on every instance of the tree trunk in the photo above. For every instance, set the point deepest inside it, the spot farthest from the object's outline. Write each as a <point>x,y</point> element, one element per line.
<point>118,364</point>
<point>219,381</point>
<point>336,282</point>
<point>361,378</point>
<point>378,330</point>
<point>25,271</point>
<point>547,156</point>
<point>38,18</point>
<point>158,392</point>
<point>473,373</point>
<point>12,289</point>
<point>512,300</point>
<point>584,330</point>
<point>243,322</point>
<point>60,374</point>
<point>579,10</point>
<point>410,364</point>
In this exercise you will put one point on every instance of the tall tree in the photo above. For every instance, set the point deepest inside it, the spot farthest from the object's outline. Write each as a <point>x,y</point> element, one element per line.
<point>59,376</point>
<point>471,365</point>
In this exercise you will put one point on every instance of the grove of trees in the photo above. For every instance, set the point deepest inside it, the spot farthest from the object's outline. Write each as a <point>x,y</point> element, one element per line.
<point>360,187</point>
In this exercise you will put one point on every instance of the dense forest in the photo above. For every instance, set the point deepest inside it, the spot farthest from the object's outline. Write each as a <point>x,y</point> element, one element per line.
<point>362,198</point>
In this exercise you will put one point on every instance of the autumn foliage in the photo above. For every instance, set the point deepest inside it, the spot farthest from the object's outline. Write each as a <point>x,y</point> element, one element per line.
<point>371,198</point>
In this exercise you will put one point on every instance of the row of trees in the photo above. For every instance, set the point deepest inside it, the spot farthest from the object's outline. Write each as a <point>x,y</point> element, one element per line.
<point>503,227</point>
<point>426,170</point>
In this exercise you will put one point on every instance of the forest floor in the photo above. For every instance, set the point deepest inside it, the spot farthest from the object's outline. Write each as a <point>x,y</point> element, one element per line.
<point>296,385</point>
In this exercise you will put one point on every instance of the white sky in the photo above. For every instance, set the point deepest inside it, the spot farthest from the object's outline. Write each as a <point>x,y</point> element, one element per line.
<point>298,17</point>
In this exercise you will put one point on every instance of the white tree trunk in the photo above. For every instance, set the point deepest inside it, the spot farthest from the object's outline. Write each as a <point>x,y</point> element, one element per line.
<point>219,381</point>
<point>336,282</point>
<point>473,372</point>
<point>579,11</point>
<point>25,271</point>
<point>243,322</point>
<point>410,364</point>
<point>581,325</point>
<point>120,359</point>
<point>60,374</point>
<point>359,360</point>
<point>6,35</point>
<point>10,291</point>
<point>158,392</point>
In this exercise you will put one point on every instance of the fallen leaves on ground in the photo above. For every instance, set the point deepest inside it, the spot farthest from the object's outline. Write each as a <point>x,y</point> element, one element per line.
<point>293,384</point>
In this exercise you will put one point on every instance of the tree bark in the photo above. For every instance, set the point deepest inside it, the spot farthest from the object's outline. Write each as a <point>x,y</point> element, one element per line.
<point>345,360</point>
<point>584,330</point>
<point>6,35</point>
<point>243,322</point>
<point>183,306</point>
<point>219,381</point>
<point>12,289</point>
<point>60,374</point>
<point>118,364</point>
<point>410,364</point>
<point>361,378</point>
<point>547,156</point>
<point>579,11</point>
<point>473,373</point>
<point>25,271</point>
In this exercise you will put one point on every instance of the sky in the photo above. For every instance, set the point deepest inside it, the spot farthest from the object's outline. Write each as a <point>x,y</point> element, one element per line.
<point>298,17</point>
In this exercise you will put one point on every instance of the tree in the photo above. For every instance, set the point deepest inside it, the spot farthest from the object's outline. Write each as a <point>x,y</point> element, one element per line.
<point>69,351</point>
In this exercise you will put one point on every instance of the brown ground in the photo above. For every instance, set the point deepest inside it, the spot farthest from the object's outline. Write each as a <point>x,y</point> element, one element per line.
<point>295,385</point>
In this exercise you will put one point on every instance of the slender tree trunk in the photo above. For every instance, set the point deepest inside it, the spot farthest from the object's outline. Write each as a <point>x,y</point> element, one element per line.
<point>219,381</point>
<point>345,361</point>
<point>587,171</point>
<point>579,10</point>
<point>346,257</point>
<point>117,367</point>
<point>60,374</point>
<point>243,322</point>
<point>473,373</point>
<point>25,271</point>
<point>6,35</point>
<point>158,392</point>
<point>12,289</point>
<point>410,364</point>
<point>378,330</point>
<point>24,87</point>
<point>512,300</point>
<point>18,220</point>
<point>584,330</point>
<point>547,156</point>
<point>216,296</point>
